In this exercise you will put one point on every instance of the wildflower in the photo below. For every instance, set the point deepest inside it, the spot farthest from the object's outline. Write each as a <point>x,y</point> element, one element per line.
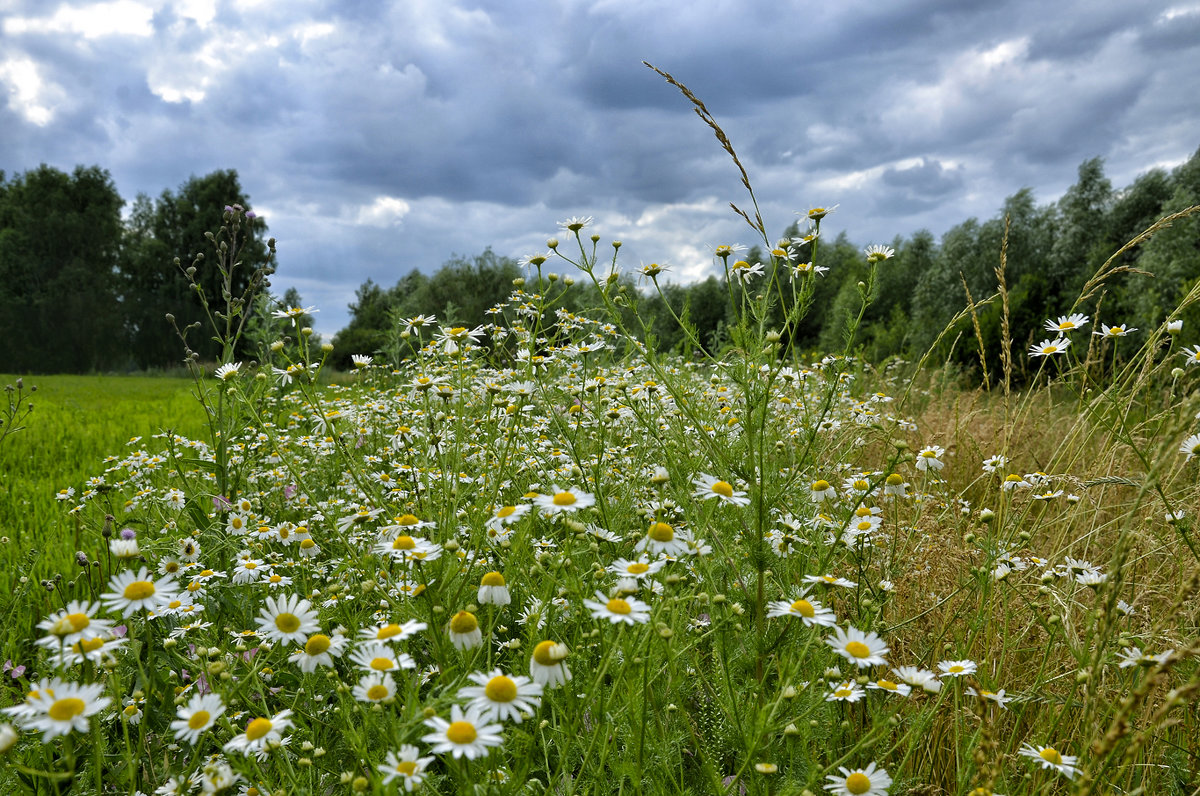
<point>564,500</point>
<point>392,632</point>
<point>228,371</point>
<point>405,765</point>
<point>465,735</point>
<point>818,213</point>
<point>635,570</point>
<point>506,515</point>
<point>743,271</point>
<point>318,650</point>
<point>129,592</point>
<point>294,312</point>
<point>216,776</point>
<point>198,715</point>
<point>1051,758</point>
<point>1190,446</point>
<point>1047,348</point>
<point>1067,323</point>
<point>861,649</point>
<point>8,737</point>
<point>288,619</point>
<point>869,781</point>
<point>725,250</point>
<point>1192,355</point>
<point>375,656</point>
<point>1013,481</point>
<point>464,631</point>
<point>360,360</point>
<point>664,539</point>
<point>1113,331</point>
<point>900,689</point>
<point>918,678</point>
<point>930,458</point>
<point>618,610</point>
<point>995,463</point>
<point>822,490</point>
<point>72,624</point>
<point>808,268</point>
<point>877,253</point>
<point>493,590</point>
<point>992,696</point>
<point>547,666</point>
<point>708,486</point>
<point>830,580</point>
<point>498,696</point>
<point>811,613</point>
<point>1175,326</point>
<point>56,707</point>
<point>844,692</point>
<point>894,485</point>
<point>1135,657</point>
<point>375,687</point>
<point>261,733</point>
<point>574,224</point>
<point>957,668</point>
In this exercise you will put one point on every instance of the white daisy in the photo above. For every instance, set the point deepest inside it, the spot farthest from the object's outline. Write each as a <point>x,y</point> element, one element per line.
<point>1051,758</point>
<point>260,734</point>
<point>465,735</point>
<point>547,664</point>
<point>869,781</point>
<point>499,697</point>
<point>199,714</point>
<point>564,500</point>
<point>405,765</point>
<point>618,610</point>
<point>708,486</point>
<point>375,687</point>
<point>56,707</point>
<point>130,592</point>
<point>861,649</point>
<point>288,619</point>
<point>318,650</point>
<point>810,612</point>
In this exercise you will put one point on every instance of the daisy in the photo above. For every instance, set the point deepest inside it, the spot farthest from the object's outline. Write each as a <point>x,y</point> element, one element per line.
<point>919,678</point>
<point>1047,348</point>
<point>636,570</point>
<point>861,649</point>
<point>375,687</point>
<point>547,665</point>
<point>957,668</point>
<point>199,714</point>
<point>564,500</point>
<point>1190,446</point>
<point>822,490</point>
<point>500,697</point>
<point>869,781</point>
<point>249,570</point>
<point>894,485</point>
<point>287,620</point>
<point>664,539</point>
<point>392,632</point>
<point>129,592</point>
<point>1114,331</point>
<point>493,590</point>
<point>818,213</point>
<point>464,631</point>
<point>56,707</point>
<point>406,766</point>
<point>900,689</point>
<point>708,486</point>
<point>409,548</point>
<point>1192,355</point>
<point>1051,758</point>
<point>465,735</point>
<point>992,696</point>
<point>74,623</point>
<point>260,734</point>
<point>618,610</point>
<point>844,692</point>
<point>1067,323</point>
<point>228,371</point>
<point>743,271</point>
<point>930,458</point>
<point>877,253</point>
<point>96,649</point>
<point>810,612</point>
<point>506,515</point>
<point>318,650</point>
<point>375,656</point>
<point>830,580</point>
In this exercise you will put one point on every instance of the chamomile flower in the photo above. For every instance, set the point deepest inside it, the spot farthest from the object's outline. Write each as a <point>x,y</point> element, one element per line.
<point>848,691</point>
<point>563,500</point>
<point>498,696</point>
<point>619,610</point>
<point>56,707</point>
<point>1050,758</point>
<point>464,631</point>
<point>375,656</point>
<point>1067,323</point>
<point>493,590</point>
<point>637,570</point>
<point>506,515</point>
<point>708,486</point>
<point>1048,348</point>
<point>877,253</point>
<point>131,591</point>
<point>861,649</point>
<point>957,668</point>
<point>887,686</point>
<point>743,271</point>
<point>810,612</point>
<point>288,619</point>
<point>318,650</point>
<point>547,664</point>
<point>919,678</point>
<point>375,687</point>
<point>830,580</point>
<point>664,539</point>
<point>992,696</point>
<point>261,733</point>
<point>822,490</point>
<point>392,632</point>
<point>869,781</point>
<point>465,735</point>
<point>1191,355</point>
<point>74,623</point>
<point>1191,446</point>
<point>930,458</point>
<point>405,765</point>
<point>197,715</point>
<point>228,371</point>
<point>1114,331</point>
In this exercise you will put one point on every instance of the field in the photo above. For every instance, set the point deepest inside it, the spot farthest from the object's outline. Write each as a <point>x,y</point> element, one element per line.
<point>538,555</point>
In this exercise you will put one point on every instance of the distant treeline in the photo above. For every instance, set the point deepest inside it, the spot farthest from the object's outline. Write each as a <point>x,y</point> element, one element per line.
<point>82,290</point>
<point>1052,251</point>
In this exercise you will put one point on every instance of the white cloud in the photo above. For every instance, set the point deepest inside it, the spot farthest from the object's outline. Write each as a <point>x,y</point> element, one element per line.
<point>118,18</point>
<point>29,93</point>
<point>385,211</point>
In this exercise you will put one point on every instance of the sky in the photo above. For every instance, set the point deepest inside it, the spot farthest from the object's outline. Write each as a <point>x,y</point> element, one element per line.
<point>380,137</point>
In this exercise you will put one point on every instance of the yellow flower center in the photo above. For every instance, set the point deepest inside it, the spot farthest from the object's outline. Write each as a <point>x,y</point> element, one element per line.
<point>199,720</point>
<point>1012,478</point>
<point>662,532</point>
<point>407,519</point>
<point>377,692</point>
<point>464,622</point>
<point>250,565</point>
<point>842,693</point>
<point>388,631</point>
<point>194,586</point>
<point>564,499</point>
<point>858,782</point>
<point>139,590</point>
<point>507,511</point>
<point>820,486</point>
<point>862,484</point>
<point>1051,755</point>
<point>858,649</point>
<point>381,664</point>
<point>67,709</point>
<point>78,621</point>
<point>318,644</point>
<point>461,732</point>
<point>207,573</point>
<point>406,767</point>
<point>287,623</point>
<point>723,488</point>
<point>637,568</point>
<point>619,606</point>
<point>307,544</point>
<point>804,608</point>
<point>887,684</point>
<point>404,543</point>
<point>88,645</point>
<point>956,669</point>
<point>894,479</point>
<point>500,689</point>
<point>546,653</point>
<point>257,729</point>
<point>492,579</point>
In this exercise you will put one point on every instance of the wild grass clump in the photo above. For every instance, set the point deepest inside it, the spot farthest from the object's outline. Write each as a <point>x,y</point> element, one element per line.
<point>537,555</point>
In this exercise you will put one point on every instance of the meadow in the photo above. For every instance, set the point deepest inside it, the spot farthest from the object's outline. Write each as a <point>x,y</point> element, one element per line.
<point>538,555</point>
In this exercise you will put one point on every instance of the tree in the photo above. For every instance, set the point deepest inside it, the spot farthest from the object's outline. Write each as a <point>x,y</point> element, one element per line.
<point>174,228</point>
<point>59,242</point>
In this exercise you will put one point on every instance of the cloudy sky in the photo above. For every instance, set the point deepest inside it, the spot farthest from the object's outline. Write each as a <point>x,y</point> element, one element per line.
<point>377,137</point>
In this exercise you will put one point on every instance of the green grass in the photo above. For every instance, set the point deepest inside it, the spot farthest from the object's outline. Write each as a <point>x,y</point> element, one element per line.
<point>76,422</point>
